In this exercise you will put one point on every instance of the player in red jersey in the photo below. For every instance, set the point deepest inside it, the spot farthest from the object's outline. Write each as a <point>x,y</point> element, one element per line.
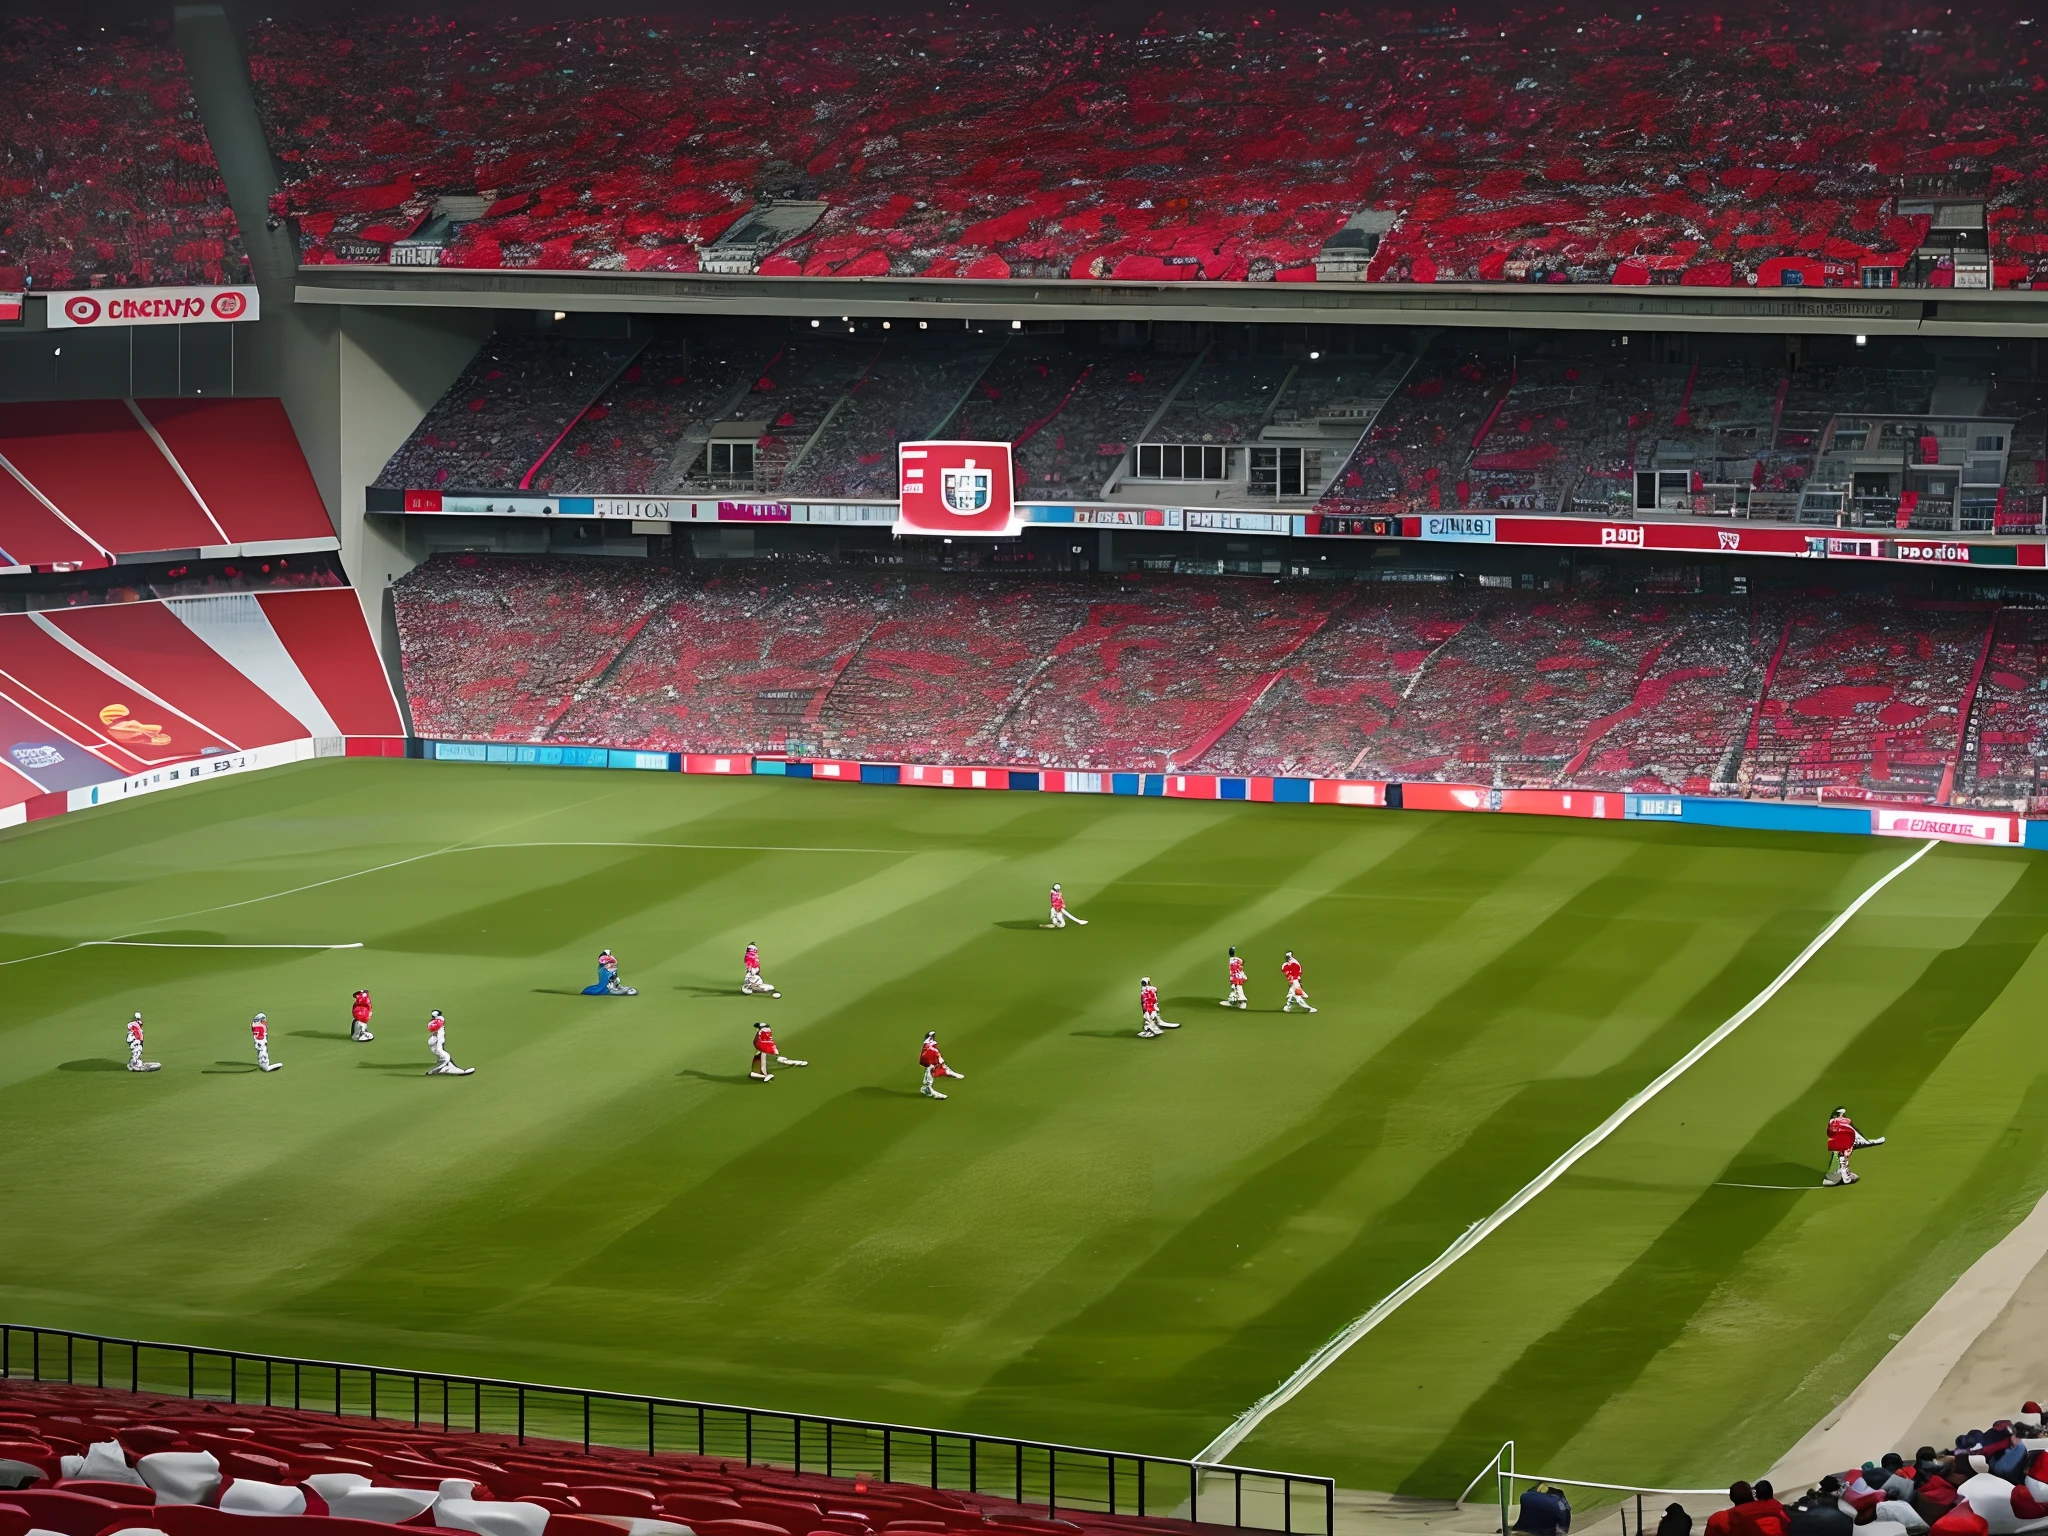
<point>1060,915</point>
<point>750,980</point>
<point>765,1056</point>
<point>359,1016</point>
<point>1148,1009</point>
<point>1291,969</point>
<point>135,1061</point>
<point>934,1065</point>
<point>437,1043</point>
<point>1236,998</point>
<point>259,1031</point>
<point>1844,1139</point>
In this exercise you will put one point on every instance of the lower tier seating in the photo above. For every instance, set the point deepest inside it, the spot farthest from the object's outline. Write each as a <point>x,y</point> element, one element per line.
<point>1779,695</point>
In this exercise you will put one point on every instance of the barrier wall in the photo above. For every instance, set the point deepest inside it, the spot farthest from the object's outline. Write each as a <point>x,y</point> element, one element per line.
<point>1918,822</point>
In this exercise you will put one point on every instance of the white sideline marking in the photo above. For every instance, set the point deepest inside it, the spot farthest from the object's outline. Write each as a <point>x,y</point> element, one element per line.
<point>154,944</point>
<point>1332,1351</point>
<point>1728,1184</point>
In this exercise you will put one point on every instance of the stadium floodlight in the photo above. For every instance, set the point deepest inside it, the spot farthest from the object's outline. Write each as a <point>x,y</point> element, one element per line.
<point>1315,357</point>
<point>921,324</point>
<point>885,325</point>
<point>1862,341</point>
<point>1016,325</point>
<point>561,314</point>
<point>814,325</point>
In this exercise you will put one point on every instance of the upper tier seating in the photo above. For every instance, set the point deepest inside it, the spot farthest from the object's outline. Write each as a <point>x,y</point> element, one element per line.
<point>100,1460</point>
<point>1665,147</point>
<point>128,477</point>
<point>106,176</point>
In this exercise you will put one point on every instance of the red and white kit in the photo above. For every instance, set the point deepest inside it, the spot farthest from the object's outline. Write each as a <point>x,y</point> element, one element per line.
<point>359,1017</point>
<point>765,1055</point>
<point>1059,908</point>
<point>751,980</point>
<point>934,1065</point>
<point>1843,1140</point>
<point>1291,969</point>
<point>1236,998</point>
<point>259,1031</point>
<point>437,1043</point>
<point>1148,1009</point>
<point>135,1061</point>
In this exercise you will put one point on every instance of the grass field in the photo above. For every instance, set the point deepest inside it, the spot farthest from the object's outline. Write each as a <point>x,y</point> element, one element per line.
<point>1098,1239</point>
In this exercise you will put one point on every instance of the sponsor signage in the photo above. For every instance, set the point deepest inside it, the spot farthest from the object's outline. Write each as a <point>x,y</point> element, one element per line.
<point>960,489</point>
<point>10,308</point>
<point>1456,528</point>
<point>753,512</point>
<point>1944,824</point>
<point>1931,551</point>
<point>151,306</point>
<point>1237,522</point>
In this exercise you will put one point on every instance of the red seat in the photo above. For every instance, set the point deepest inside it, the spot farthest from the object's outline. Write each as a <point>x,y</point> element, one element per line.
<point>116,1493</point>
<point>70,1514</point>
<point>611,1499</point>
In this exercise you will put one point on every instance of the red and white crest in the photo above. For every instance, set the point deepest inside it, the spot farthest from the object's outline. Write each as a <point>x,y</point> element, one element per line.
<point>958,489</point>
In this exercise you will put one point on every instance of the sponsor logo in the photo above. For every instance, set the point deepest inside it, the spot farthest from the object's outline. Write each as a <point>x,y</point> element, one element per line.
<point>35,754</point>
<point>1657,805</point>
<point>1939,551</point>
<point>1729,540</point>
<point>752,512</point>
<point>1949,826</point>
<point>151,306</point>
<point>1469,530</point>
<point>956,488</point>
<point>1612,534</point>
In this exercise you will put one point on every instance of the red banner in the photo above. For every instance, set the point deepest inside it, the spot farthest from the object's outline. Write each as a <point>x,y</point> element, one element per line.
<point>958,489</point>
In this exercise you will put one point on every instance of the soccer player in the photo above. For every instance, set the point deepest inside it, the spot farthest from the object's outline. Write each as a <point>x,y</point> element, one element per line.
<point>135,1061</point>
<point>1148,1007</point>
<point>1844,1139</point>
<point>437,1042</point>
<point>765,1056</point>
<point>359,1017</point>
<point>1236,998</point>
<point>259,1031</point>
<point>751,981</point>
<point>1291,969</point>
<point>1060,915</point>
<point>934,1066</point>
<point>607,983</point>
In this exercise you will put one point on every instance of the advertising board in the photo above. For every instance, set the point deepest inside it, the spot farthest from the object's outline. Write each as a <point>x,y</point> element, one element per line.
<point>151,306</point>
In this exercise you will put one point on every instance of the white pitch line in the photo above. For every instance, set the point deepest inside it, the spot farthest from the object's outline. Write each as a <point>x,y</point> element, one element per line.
<point>1730,1184</point>
<point>156,944</point>
<point>1334,1350</point>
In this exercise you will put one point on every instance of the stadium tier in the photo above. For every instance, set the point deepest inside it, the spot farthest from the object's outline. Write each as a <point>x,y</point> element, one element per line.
<point>1790,146</point>
<point>89,695</point>
<point>84,482</point>
<point>82,1461</point>
<point>1785,696</point>
<point>106,175</point>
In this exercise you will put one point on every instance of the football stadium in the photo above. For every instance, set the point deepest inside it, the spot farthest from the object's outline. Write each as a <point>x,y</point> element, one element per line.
<point>1135,775</point>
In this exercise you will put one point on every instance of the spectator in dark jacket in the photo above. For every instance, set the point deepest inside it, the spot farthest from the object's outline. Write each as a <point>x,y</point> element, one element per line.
<point>1545,1512</point>
<point>1676,1521</point>
<point>1820,1513</point>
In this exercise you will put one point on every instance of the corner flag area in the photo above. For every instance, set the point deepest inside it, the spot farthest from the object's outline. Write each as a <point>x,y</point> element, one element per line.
<point>1098,1238</point>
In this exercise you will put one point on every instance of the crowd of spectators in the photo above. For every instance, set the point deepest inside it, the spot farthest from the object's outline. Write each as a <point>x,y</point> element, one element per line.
<point>911,385</point>
<point>2008,736</point>
<point>1864,698</point>
<point>1776,696</point>
<point>106,175</point>
<point>1991,1482</point>
<point>495,427</point>
<point>1673,146</point>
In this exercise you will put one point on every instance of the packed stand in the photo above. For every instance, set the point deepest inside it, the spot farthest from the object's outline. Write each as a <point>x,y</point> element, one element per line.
<point>1414,455</point>
<point>939,678</point>
<point>1156,673</point>
<point>1635,148</point>
<point>498,422</point>
<point>2008,734</point>
<point>107,178</point>
<point>800,386</point>
<point>1991,1482</point>
<point>730,660</point>
<point>83,1460</point>
<point>1863,698</point>
<point>511,644</point>
<point>1069,412</point>
<point>656,411</point>
<point>912,385</point>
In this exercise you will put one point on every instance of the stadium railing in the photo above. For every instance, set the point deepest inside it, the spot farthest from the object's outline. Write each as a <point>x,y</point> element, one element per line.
<point>1505,1478</point>
<point>1077,1479</point>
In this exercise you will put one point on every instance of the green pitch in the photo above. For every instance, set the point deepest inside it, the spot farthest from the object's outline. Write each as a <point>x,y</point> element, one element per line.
<point>1099,1239</point>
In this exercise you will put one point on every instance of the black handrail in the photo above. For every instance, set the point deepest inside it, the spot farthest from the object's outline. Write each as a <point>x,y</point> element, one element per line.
<point>1027,1472</point>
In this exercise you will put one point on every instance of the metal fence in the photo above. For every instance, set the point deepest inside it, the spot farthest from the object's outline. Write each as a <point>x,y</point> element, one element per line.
<point>1027,1472</point>
<point>1505,1479</point>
